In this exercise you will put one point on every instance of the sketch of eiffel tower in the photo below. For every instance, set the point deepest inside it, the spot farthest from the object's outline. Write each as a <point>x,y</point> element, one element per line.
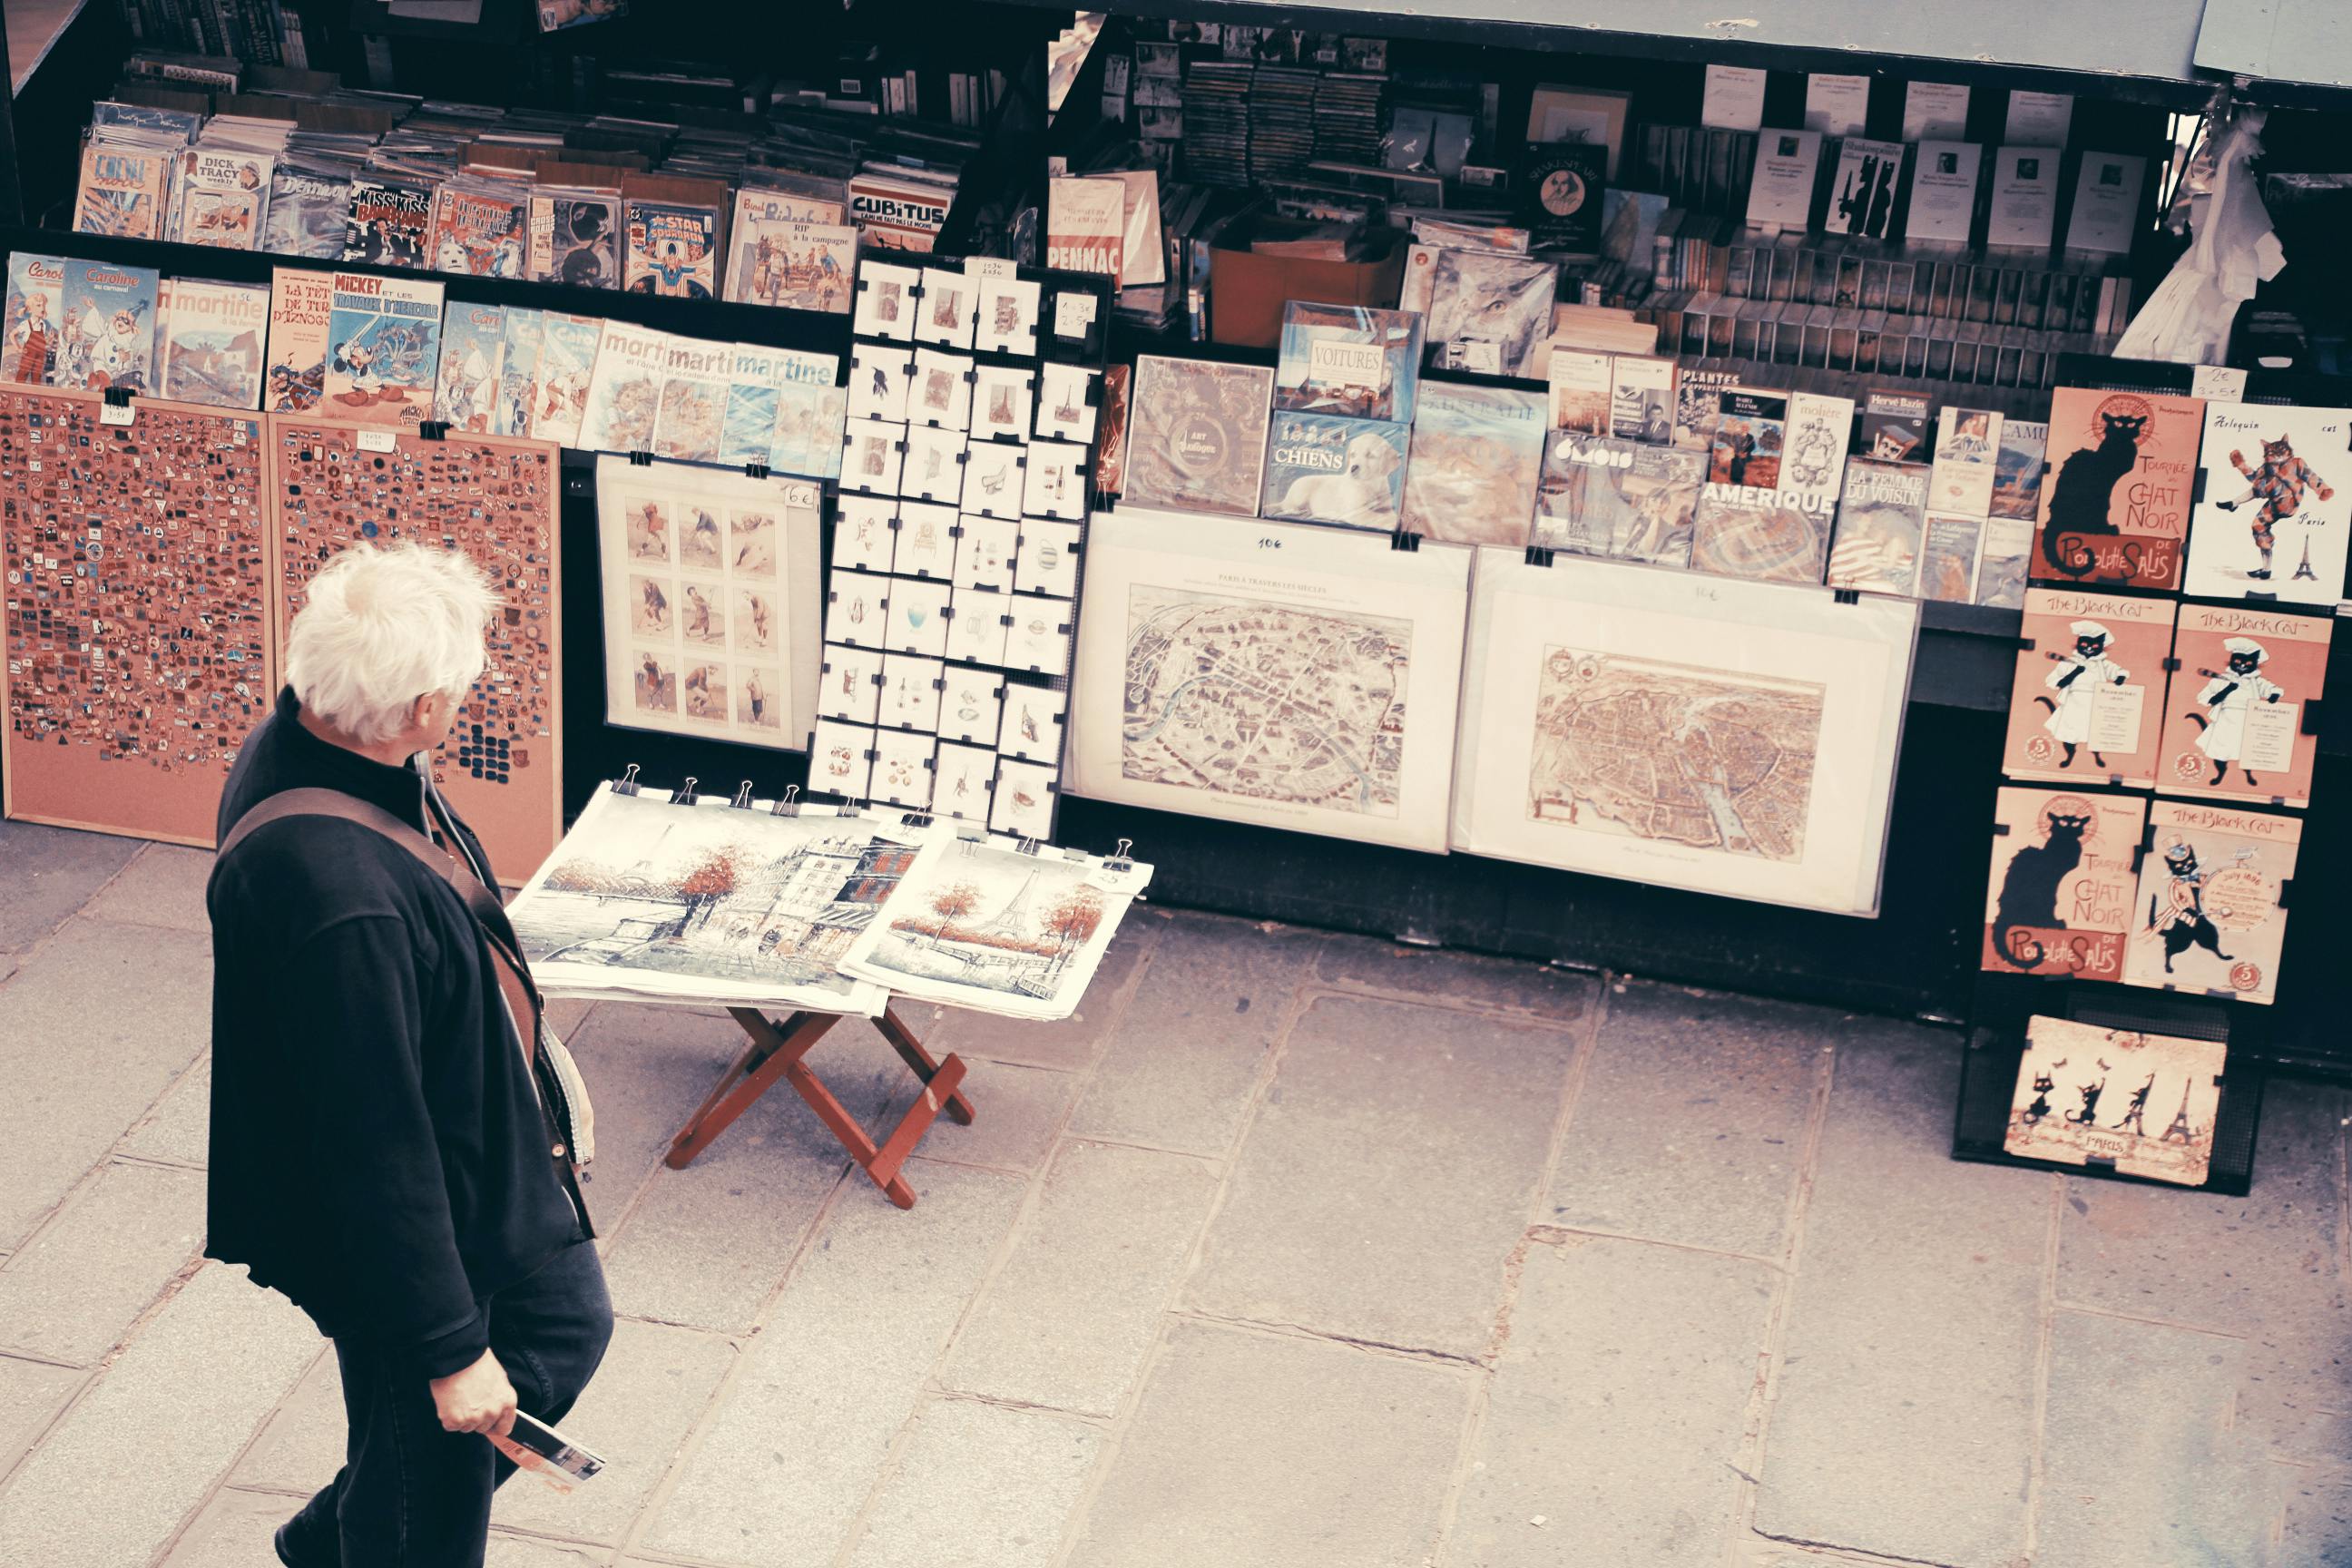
<point>1013,920</point>
<point>2303,572</point>
<point>2180,1131</point>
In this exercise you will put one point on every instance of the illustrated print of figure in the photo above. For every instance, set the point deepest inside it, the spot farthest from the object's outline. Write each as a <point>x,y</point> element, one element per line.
<point>2089,1115</point>
<point>2044,1083</point>
<point>2137,1109</point>
<point>1743,447</point>
<point>2279,484</point>
<point>2182,921</point>
<point>120,355</point>
<point>759,620</point>
<point>697,614</point>
<point>2229,696</point>
<point>1972,441</point>
<point>701,544</point>
<point>757,696</point>
<point>655,607</point>
<point>1809,458</point>
<point>2076,680</point>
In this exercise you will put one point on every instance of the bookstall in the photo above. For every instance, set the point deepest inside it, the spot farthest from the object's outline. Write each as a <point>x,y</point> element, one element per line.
<point>1628,500</point>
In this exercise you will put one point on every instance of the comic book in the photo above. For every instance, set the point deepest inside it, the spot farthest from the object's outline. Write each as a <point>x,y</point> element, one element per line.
<point>2115,500</point>
<point>222,195</point>
<point>213,335</point>
<point>36,292</point>
<point>2274,518</point>
<point>2058,900</point>
<point>1478,455</point>
<point>1326,468</point>
<point>625,389</point>
<point>1489,310</point>
<point>126,183</point>
<point>691,419</point>
<point>2234,721</point>
<point>2085,1093</point>
<point>473,350</point>
<point>480,229</point>
<point>106,334</point>
<point>2210,917</point>
<point>567,359</point>
<point>672,249</point>
<point>754,384</point>
<point>310,209</point>
<point>183,123</point>
<point>1348,359</point>
<point>575,236</point>
<point>811,417</point>
<point>1949,558</point>
<point>2087,699</point>
<point>389,221</point>
<point>518,394</point>
<point>792,250</point>
<point>1607,495</point>
<point>2017,468</point>
<point>1882,521</point>
<point>301,304</point>
<point>384,338</point>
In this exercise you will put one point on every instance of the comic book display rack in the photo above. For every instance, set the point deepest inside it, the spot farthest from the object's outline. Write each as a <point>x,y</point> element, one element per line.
<point>2138,909</point>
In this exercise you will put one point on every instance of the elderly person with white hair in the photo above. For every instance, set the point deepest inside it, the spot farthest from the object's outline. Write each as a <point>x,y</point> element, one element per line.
<point>390,1142</point>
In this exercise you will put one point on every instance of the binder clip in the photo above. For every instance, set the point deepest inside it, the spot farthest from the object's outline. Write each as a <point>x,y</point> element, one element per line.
<point>432,430</point>
<point>1538,555</point>
<point>1119,861</point>
<point>685,792</point>
<point>118,396</point>
<point>755,470</point>
<point>641,459</point>
<point>1405,542</point>
<point>1029,846</point>
<point>790,805</point>
<point>627,784</point>
<point>1847,596</point>
<point>742,801</point>
<point>915,819</point>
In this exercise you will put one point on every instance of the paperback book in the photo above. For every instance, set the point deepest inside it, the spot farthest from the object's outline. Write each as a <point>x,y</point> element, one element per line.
<point>1881,527</point>
<point>1476,457</point>
<point>567,359</point>
<point>1327,468</point>
<point>1563,185</point>
<point>385,349</point>
<point>690,420</point>
<point>36,291</point>
<point>1894,426</point>
<point>2018,468</point>
<point>301,304</point>
<point>1948,559</point>
<point>222,194</point>
<point>212,339</point>
<point>309,212</point>
<point>1581,387</point>
<point>1967,450</point>
<point>1641,399</point>
<point>108,327</point>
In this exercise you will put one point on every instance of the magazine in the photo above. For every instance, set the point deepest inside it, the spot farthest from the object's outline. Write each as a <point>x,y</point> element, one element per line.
<point>518,374</point>
<point>1348,359</point>
<point>672,250</point>
<point>480,229</point>
<point>1881,525</point>
<point>126,177</point>
<point>567,358</point>
<point>575,237</point>
<point>301,304</point>
<point>213,338</point>
<point>473,350</point>
<point>811,418</point>
<point>1605,495</point>
<point>389,221</point>
<point>625,389</point>
<point>222,194</point>
<point>107,327</point>
<point>384,349</point>
<point>1478,453</point>
<point>692,413</point>
<point>310,209</point>
<point>797,262</point>
<point>2018,468</point>
<point>1326,468</point>
<point>36,292</point>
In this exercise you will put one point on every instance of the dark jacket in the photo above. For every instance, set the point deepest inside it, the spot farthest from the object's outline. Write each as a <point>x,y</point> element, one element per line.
<point>378,1151</point>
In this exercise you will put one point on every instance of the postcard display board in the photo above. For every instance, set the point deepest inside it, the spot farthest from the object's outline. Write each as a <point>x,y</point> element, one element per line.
<point>2187,560</point>
<point>966,487</point>
<point>139,650</point>
<point>494,498</point>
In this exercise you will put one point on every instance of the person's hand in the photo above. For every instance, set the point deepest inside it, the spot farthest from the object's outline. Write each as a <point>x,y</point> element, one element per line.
<point>479,1399</point>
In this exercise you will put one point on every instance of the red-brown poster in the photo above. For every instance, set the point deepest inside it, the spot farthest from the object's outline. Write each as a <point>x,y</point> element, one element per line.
<point>494,498</point>
<point>2060,897</point>
<point>2116,497</point>
<point>2088,703</point>
<point>2234,726</point>
<point>140,650</point>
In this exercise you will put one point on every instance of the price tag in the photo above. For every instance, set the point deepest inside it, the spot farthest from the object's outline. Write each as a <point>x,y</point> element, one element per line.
<point>801,497</point>
<point>378,441</point>
<point>1073,312</point>
<point>2218,384</point>
<point>989,267</point>
<point>114,414</point>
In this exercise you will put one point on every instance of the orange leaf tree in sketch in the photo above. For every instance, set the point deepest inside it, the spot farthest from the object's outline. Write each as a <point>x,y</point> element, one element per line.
<point>1072,922</point>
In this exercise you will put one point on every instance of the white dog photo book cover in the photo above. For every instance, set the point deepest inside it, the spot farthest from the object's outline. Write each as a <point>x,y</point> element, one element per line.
<point>1296,678</point>
<point>1720,736</point>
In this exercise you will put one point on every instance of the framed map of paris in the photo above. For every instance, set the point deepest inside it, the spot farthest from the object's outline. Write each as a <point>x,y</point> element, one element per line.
<point>1290,676</point>
<point>1725,737</point>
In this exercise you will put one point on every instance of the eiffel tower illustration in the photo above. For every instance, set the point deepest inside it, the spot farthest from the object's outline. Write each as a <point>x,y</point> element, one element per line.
<point>1012,920</point>
<point>2180,1131</point>
<point>2303,572</point>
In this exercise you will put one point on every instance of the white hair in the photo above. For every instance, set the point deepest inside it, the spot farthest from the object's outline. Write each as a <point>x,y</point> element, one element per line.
<point>383,627</point>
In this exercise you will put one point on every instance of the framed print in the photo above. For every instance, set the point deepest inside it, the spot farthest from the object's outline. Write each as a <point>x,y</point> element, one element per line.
<point>1066,403</point>
<point>2058,900</point>
<point>942,390</point>
<point>1048,562</point>
<point>927,541</point>
<point>911,692</point>
<point>902,769</point>
<point>2088,700</point>
<point>860,613</point>
<point>1033,721</point>
<point>887,295</point>
<point>840,759</point>
<point>976,633</point>
<point>1058,480</point>
<point>1723,737</point>
<point>880,375</point>
<point>2213,889</point>
<point>704,563</point>
<point>1038,638</point>
<point>2144,1104</point>
<point>872,452</point>
<point>961,777</point>
<point>950,303</point>
<point>985,552</point>
<point>992,477</point>
<point>2275,511</point>
<point>934,470</point>
<point>1280,674</point>
<point>918,620</point>
<point>1022,800</point>
<point>865,532</point>
<point>2234,722</point>
<point>971,702</point>
<point>850,687</point>
<point>1001,395</point>
<point>1006,317</point>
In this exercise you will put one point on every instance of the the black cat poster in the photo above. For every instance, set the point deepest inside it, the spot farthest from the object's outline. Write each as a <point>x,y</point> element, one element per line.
<point>2116,497</point>
<point>2234,723</point>
<point>2087,705</point>
<point>2210,919</point>
<point>2059,901</point>
<point>2275,505</point>
<point>2142,1103</point>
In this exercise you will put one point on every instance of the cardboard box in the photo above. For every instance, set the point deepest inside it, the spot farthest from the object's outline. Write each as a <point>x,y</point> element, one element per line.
<point>1247,291</point>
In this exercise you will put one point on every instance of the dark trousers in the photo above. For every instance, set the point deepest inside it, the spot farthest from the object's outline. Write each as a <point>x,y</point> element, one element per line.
<point>412,1494</point>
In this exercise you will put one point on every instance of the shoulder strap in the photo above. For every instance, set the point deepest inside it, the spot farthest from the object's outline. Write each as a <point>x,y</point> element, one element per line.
<point>506,948</point>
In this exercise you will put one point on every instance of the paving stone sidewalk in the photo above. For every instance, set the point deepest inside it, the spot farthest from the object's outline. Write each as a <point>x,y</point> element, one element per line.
<point>1291,1250</point>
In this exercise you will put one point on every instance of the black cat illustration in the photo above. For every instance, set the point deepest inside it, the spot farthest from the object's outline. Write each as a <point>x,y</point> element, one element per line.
<point>2086,484</point>
<point>2042,1084</point>
<point>2029,889</point>
<point>2089,1115</point>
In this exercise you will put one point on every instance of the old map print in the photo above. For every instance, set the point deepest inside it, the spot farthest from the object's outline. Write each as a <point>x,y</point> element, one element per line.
<point>1264,700</point>
<point>1674,754</point>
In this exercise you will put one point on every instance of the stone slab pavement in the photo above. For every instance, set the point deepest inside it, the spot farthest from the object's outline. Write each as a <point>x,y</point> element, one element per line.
<point>1292,1249</point>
